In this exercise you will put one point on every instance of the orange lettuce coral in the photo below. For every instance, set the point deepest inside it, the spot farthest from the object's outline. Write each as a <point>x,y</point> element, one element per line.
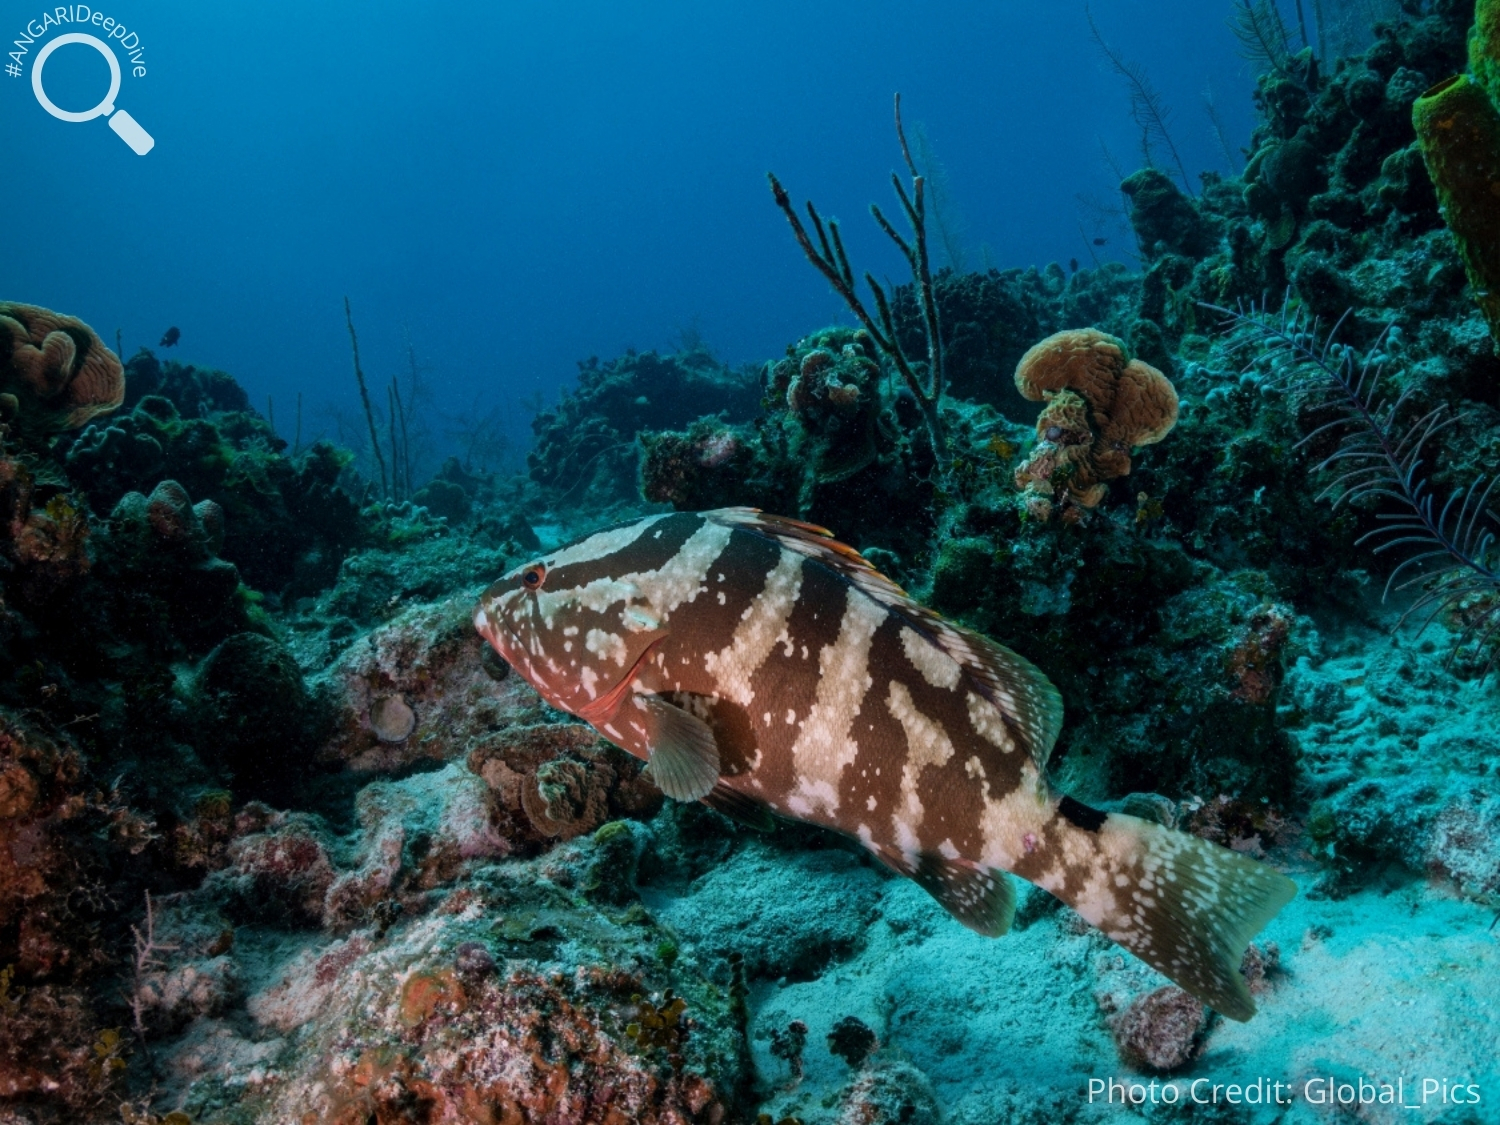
<point>1101,405</point>
<point>59,372</point>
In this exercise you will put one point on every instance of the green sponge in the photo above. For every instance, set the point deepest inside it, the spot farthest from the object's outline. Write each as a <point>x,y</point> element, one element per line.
<point>1458,127</point>
<point>1484,47</point>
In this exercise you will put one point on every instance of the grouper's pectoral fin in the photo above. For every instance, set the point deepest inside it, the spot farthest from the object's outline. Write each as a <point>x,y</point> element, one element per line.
<point>982,898</point>
<point>684,756</point>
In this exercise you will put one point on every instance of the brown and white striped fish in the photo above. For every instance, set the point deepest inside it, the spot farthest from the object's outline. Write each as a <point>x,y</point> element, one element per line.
<point>757,664</point>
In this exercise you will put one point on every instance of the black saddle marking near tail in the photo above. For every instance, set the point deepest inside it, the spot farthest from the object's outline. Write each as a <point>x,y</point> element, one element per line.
<point>1079,814</point>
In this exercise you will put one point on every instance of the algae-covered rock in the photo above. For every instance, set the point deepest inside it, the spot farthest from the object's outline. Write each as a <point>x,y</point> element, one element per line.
<point>253,714</point>
<point>418,688</point>
<point>556,781</point>
<point>1165,220</point>
<point>744,905</point>
<point>585,447</point>
<point>1398,760</point>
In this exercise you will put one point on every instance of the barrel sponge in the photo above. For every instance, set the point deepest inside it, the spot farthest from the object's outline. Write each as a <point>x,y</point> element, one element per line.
<point>1458,127</point>
<point>60,372</point>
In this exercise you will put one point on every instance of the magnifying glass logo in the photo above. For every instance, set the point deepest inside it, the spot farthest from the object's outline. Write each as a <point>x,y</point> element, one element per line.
<point>125,126</point>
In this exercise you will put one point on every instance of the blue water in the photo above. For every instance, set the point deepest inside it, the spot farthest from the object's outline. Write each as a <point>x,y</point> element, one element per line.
<point>519,186</point>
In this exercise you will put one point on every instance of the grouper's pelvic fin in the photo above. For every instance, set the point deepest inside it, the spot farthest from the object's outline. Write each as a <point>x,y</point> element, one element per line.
<point>1186,907</point>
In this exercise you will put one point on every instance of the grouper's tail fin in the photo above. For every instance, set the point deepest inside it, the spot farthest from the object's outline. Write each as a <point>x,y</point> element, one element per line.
<point>1186,907</point>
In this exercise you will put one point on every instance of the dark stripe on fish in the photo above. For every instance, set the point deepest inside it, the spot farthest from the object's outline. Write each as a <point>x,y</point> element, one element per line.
<point>649,552</point>
<point>1076,812</point>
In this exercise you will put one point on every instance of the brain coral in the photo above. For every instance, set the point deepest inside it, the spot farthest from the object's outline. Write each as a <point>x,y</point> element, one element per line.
<point>60,373</point>
<point>1101,404</point>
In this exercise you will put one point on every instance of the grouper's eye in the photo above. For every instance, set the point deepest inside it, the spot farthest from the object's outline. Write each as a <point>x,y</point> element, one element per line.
<point>533,576</point>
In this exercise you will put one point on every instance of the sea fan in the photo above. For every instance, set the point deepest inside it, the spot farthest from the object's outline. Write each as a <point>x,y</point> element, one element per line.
<point>1453,556</point>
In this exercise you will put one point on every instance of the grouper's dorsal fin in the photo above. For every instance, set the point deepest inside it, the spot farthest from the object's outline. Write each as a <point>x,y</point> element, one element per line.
<point>816,543</point>
<point>1021,692</point>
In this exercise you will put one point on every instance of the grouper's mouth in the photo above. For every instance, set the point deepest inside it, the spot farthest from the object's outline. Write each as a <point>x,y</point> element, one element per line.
<point>498,633</point>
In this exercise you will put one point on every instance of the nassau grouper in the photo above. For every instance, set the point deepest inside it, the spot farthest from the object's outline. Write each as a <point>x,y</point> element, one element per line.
<point>757,664</point>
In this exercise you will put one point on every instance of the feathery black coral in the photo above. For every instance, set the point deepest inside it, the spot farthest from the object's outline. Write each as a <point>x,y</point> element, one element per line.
<point>1148,109</point>
<point>1453,560</point>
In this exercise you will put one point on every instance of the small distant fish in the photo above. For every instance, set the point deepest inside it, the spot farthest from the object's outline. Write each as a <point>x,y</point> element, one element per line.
<point>170,337</point>
<point>762,667</point>
<point>1101,242</point>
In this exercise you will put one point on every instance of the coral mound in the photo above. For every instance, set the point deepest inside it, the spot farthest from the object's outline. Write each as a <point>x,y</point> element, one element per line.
<point>60,373</point>
<point>1101,404</point>
<point>1160,1031</point>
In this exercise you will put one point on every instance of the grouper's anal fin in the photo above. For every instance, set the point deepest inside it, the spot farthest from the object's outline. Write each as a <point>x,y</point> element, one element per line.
<point>981,898</point>
<point>684,761</point>
<point>737,807</point>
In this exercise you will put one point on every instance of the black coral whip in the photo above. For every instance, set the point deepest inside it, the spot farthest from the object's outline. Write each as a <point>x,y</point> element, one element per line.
<point>1452,554</point>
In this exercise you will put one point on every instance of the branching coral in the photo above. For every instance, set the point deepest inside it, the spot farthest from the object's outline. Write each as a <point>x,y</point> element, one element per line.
<point>832,261</point>
<point>1101,404</point>
<point>59,371</point>
<point>1453,559</point>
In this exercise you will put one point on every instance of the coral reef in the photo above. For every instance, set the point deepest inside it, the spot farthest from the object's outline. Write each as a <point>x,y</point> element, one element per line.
<point>585,448</point>
<point>56,372</point>
<point>281,840</point>
<point>165,548</point>
<point>287,524</point>
<point>196,392</point>
<point>56,1053</point>
<point>990,319</point>
<point>43,535</point>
